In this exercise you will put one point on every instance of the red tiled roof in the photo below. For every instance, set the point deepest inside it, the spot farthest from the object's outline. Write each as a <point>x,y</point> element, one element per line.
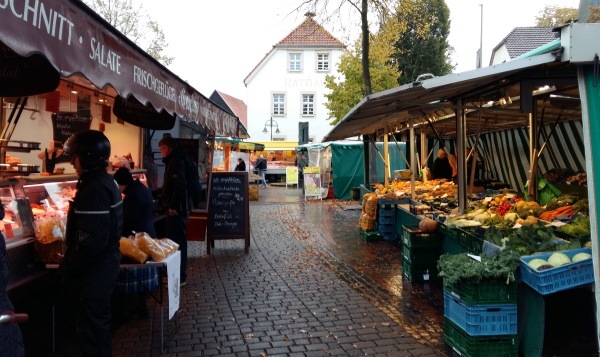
<point>310,33</point>
<point>238,107</point>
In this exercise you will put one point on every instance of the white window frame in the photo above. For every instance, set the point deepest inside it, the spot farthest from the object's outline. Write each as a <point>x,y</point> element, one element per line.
<point>311,104</point>
<point>324,63</point>
<point>294,62</point>
<point>281,107</point>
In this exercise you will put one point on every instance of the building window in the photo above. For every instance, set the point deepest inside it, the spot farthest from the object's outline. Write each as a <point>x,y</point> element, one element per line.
<point>322,62</point>
<point>278,104</point>
<point>308,104</point>
<point>295,62</point>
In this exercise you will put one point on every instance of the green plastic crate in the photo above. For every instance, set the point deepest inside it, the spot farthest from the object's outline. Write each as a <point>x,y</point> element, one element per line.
<point>472,243</point>
<point>414,272</point>
<point>421,255</point>
<point>370,236</point>
<point>446,231</point>
<point>484,292</point>
<point>413,237</point>
<point>479,346</point>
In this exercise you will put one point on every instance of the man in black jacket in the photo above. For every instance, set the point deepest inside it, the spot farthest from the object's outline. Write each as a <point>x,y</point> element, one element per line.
<point>174,197</point>
<point>261,167</point>
<point>92,259</point>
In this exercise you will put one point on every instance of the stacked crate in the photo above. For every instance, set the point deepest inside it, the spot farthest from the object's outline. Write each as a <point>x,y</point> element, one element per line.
<point>420,254</point>
<point>386,221</point>
<point>480,319</point>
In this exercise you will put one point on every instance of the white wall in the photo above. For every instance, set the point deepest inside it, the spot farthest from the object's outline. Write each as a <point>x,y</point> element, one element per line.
<point>500,55</point>
<point>273,76</point>
<point>37,127</point>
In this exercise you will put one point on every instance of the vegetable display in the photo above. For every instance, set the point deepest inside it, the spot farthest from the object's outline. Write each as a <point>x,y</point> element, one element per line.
<point>461,267</point>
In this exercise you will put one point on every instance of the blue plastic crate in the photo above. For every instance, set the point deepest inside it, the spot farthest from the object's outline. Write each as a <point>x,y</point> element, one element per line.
<point>386,212</point>
<point>560,278</point>
<point>481,320</point>
<point>387,220</point>
<point>389,236</point>
<point>385,228</point>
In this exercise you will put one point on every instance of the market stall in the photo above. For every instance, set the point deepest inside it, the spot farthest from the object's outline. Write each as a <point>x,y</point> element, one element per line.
<point>84,74</point>
<point>526,106</point>
<point>228,150</point>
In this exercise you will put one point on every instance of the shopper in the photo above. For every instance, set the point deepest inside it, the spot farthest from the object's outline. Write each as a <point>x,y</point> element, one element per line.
<point>94,224</point>
<point>174,197</point>
<point>241,165</point>
<point>302,163</point>
<point>11,340</point>
<point>133,285</point>
<point>441,166</point>
<point>261,167</point>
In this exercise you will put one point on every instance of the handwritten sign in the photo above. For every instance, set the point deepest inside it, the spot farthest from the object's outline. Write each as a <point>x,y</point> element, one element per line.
<point>228,208</point>
<point>64,125</point>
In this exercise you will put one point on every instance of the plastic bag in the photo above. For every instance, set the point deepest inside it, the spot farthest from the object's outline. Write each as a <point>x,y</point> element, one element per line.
<point>129,249</point>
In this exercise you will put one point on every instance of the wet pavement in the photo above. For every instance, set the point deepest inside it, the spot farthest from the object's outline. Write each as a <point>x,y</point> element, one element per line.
<point>309,286</point>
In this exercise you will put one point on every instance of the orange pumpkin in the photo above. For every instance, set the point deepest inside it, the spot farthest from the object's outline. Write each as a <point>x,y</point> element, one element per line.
<point>428,225</point>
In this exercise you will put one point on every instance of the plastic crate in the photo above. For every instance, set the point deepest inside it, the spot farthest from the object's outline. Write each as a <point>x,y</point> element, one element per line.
<point>370,236</point>
<point>446,231</point>
<point>417,272</point>
<point>413,237</point>
<point>389,236</point>
<point>479,346</point>
<point>468,240</point>
<point>484,292</point>
<point>572,238</point>
<point>421,255</point>
<point>481,320</point>
<point>387,220</point>
<point>386,227</point>
<point>560,278</point>
<point>386,211</point>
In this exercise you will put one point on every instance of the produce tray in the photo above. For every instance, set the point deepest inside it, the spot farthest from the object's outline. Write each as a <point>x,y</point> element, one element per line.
<point>484,292</point>
<point>479,346</point>
<point>561,278</point>
<point>421,255</point>
<point>370,236</point>
<point>413,237</point>
<point>415,272</point>
<point>481,320</point>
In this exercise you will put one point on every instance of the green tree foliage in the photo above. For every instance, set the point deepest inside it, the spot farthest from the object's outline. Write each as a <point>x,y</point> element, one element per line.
<point>348,89</point>
<point>553,15</point>
<point>134,23</point>
<point>422,45</point>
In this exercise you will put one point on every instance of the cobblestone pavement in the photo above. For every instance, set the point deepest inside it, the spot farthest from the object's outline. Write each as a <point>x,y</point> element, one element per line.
<point>293,294</point>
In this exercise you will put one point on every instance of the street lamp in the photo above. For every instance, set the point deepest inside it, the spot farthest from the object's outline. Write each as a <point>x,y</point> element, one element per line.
<point>271,123</point>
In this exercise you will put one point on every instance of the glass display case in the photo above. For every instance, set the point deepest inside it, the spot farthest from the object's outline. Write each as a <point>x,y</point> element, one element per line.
<point>17,224</point>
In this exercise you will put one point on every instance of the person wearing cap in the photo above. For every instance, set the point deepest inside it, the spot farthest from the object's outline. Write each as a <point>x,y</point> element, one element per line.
<point>92,259</point>
<point>131,291</point>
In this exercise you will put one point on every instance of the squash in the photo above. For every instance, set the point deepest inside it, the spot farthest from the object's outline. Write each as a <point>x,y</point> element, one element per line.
<point>428,225</point>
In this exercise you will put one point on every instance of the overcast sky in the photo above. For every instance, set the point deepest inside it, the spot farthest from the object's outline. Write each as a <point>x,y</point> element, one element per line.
<point>216,43</point>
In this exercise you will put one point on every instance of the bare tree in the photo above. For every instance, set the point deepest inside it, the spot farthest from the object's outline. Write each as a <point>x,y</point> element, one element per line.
<point>135,23</point>
<point>329,10</point>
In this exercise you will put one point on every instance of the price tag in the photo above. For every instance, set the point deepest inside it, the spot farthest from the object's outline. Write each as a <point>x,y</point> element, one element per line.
<point>558,223</point>
<point>488,199</point>
<point>444,195</point>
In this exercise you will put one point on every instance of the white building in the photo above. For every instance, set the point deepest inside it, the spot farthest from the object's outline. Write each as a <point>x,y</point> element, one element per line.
<point>288,86</point>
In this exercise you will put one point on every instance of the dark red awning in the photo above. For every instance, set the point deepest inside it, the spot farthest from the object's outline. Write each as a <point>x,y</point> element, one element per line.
<point>74,39</point>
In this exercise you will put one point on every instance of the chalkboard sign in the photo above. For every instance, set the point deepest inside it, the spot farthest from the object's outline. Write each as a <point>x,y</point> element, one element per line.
<point>228,208</point>
<point>64,125</point>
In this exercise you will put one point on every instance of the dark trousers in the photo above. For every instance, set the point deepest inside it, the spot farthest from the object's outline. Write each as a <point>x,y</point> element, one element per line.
<point>93,326</point>
<point>176,226</point>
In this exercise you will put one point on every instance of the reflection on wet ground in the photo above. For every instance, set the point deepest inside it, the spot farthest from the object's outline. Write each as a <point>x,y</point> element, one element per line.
<point>375,270</point>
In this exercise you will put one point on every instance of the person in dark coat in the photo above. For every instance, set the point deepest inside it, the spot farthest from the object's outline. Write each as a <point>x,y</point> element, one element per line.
<point>261,167</point>
<point>241,165</point>
<point>174,197</point>
<point>131,291</point>
<point>441,167</point>
<point>94,225</point>
<point>11,339</point>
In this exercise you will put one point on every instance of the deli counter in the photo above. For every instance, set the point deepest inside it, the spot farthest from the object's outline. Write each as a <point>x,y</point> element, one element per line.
<point>34,224</point>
